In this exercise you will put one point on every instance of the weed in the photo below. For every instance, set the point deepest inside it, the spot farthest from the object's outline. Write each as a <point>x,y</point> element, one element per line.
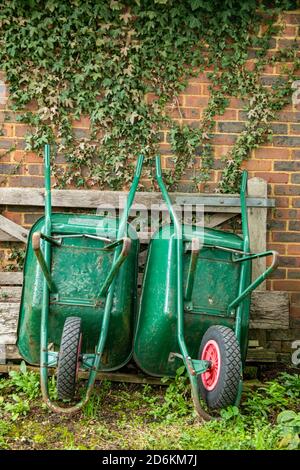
<point>291,383</point>
<point>4,430</point>
<point>177,402</point>
<point>17,407</point>
<point>25,381</point>
<point>150,417</point>
<point>267,399</point>
<point>93,406</point>
<point>289,425</point>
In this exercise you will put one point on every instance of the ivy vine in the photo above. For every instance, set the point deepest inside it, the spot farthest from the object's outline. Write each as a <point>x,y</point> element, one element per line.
<point>123,64</point>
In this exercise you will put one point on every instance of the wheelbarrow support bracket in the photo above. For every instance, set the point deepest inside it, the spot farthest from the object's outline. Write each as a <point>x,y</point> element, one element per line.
<point>36,245</point>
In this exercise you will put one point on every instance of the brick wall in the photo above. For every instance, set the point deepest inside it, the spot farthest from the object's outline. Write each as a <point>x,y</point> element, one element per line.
<point>277,162</point>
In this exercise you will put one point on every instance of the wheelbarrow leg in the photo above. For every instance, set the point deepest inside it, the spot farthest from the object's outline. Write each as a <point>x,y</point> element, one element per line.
<point>188,362</point>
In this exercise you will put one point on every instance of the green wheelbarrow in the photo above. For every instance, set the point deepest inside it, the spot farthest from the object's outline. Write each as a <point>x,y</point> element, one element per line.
<point>195,304</point>
<point>79,294</point>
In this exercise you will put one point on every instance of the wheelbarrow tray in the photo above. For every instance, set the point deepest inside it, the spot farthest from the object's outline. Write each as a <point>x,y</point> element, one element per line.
<point>216,284</point>
<point>79,268</point>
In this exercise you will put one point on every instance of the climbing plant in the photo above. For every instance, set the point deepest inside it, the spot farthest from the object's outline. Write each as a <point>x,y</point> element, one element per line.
<point>123,64</point>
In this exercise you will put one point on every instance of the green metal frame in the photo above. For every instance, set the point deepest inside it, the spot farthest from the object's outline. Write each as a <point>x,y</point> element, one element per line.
<point>196,367</point>
<point>47,358</point>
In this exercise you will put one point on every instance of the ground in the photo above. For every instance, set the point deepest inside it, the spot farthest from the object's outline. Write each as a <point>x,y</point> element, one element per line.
<point>134,416</point>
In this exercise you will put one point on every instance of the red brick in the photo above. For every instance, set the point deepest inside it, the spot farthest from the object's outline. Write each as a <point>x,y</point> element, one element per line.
<point>274,177</point>
<point>292,18</point>
<point>229,115</point>
<point>190,113</point>
<point>236,103</point>
<point>221,150</point>
<point>295,129</point>
<point>34,170</point>
<point>5,157</point>
<point>295,299</point>
<point>21,130</point>
<point>193,89</point>
<point>287,214</point>
<point>281,202</point>
<point>206,89</point>
<point>295,154</point>
<point>290,31</point>
<point>14,216</point>
<point>287,237</point>
<point>224,139</point>
<point>272,152</point>
<point>286,285</point>
<point>195,101</point>
<point>285,116</point>
<point>258,165</point>
<point>293,274</point>
<point>294,312</point>
<point>27,157</point>
<point>26,181</point>
<point>293,249</point>
<point>287,189</point>
<point>9,130</point>
<point>279,247</point>
<point>269,70</point>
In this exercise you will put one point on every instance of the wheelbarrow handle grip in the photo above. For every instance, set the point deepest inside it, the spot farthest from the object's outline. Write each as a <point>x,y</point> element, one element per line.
<point>139,166</point>
<point>158,166</point>
<point>36,246</point>
<point>244,182</point>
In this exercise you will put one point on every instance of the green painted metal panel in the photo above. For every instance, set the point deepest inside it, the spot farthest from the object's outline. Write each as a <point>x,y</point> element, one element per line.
<point>79,268</point>
<point>216,284</point>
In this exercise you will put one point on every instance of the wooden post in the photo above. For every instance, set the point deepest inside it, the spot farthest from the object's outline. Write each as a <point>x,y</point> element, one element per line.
<point>257,217</point>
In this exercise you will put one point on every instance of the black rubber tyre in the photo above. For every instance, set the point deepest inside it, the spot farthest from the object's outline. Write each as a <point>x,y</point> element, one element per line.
<point>68,358</point>
<point>226,385</point>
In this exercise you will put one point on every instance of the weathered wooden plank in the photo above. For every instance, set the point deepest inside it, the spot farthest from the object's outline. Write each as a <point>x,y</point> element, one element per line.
<point>111,199</point>
<point>112,376</point>
<point>5,237</point>
<point>253,355</point>
<point>269,310</point>
<point>11,278</point>
<point>214,220</point>
<point>13,229</point>
<point>10,293</point>
<point>9,314</point>
<point>11,353</point>
<point>257,218</point>
<point>261,355</point>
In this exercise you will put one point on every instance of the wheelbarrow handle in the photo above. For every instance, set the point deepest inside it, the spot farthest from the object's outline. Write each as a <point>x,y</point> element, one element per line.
<point>259,279</point>
<point>122,231</point>
<point>139,166</point>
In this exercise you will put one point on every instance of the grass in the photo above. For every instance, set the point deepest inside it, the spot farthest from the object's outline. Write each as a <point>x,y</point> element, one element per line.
<point>130,416</point>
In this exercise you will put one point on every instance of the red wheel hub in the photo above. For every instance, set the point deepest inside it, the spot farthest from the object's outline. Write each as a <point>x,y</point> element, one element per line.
<point>211,352</point>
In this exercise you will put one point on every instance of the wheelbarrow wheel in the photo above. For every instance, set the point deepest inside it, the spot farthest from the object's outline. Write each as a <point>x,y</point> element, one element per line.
<point>219,385</point>
<point>68,358</point>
